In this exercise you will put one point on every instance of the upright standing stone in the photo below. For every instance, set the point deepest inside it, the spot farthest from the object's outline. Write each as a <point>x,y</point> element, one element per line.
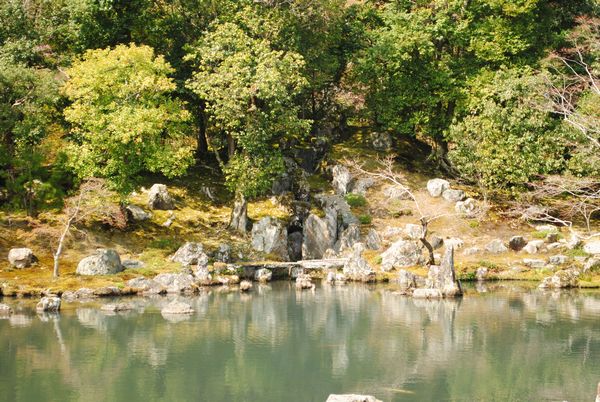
<point>159,198</point>
<point>436,187</point>
<point>269,235</point>
<point>239,215</point>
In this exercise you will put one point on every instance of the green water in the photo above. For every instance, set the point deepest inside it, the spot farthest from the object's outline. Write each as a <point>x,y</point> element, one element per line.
<point>276,344</point>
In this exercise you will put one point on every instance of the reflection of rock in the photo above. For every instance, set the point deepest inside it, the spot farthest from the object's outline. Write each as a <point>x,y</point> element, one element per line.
<point>245,286</point>
<point>91,318</point>
<point>351,398</point>
<point>177,307</point>
<point>304,281</point>
<point>5,310</point>
<point>19,320</point>
<point>116,307</point>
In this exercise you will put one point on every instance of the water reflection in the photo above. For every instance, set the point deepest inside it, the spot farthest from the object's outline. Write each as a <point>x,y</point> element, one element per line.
<point>500,342</point>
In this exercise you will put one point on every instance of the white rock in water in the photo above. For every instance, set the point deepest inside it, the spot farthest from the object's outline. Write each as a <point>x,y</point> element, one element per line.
<point>436,187</point>
<point>48,303</point>
<point>422,293</point>
<point>351,398</point>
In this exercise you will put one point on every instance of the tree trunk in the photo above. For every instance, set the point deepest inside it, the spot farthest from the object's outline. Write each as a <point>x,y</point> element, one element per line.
<point>423,239</point>
<point>239,214</point>
<point>202,149</point>
<point>230,146</point>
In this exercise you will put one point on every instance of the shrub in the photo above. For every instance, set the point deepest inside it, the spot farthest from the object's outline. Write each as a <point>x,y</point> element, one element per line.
<point>365,219</point>
<point>356,200</point>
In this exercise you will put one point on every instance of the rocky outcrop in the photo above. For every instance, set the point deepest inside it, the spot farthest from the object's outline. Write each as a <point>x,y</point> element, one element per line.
<point>319,235</point>
<point>351,398</point>
<point>436,187</point>
<point>349,237</point>
<point>381,142</point>
<point>496,246</point>
<point>443,277</point>
<point>295,240</point>
<point>159,198</point>
<point>342,179</point>
<point>361,185</point>
<point>403,253</point>
<point>357,268</point>
<point>103,262</point>
<point>191,253</point>
<point>516,243</point>
<point>304,281</point>
<point>263,275</point>
<point>558,259</point>
<point>373,240</point>
<point>407,280</point>
<point>136,214</point>
<point>145,286</point>
<point>534,263</point>
<point>223,253</point>
<point>49,304</point>
<point>467,207</point>
<point>21,257</point>
<point>269,235</point>
<point>177,307</point>
<point>567,278</point>
<point>412,231</point>
<point>176,283</point>
<point>239,215</point>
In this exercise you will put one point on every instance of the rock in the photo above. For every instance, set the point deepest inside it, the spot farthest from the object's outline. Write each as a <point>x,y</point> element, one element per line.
<point>318,237</point>
<point>407,280</point>
<point>558,259</point>
<point>177,307</point>
<point>245,286</point>
<point>145,285</point>
<point>567,278</point>
<point>436,187</point>
<point>223,253</point>
<point>574,241</point>
<point>471,251</point>
<point>351,398</point>
<point>104,262</point>
<point>390,232</point>
<point>295,240</point>
<point>269,235</point>
<point>546,228</point>
<point>554,246</point>
<point>533,247</point>
<point>443,277</point>
<point>362,185</point>
<point>132,264</point>
<point>467,207</point>
<point>349,237</point>
<point>21,257</point>
<point>49,303</point>
<point>159,198</point>
<point>396,193</point>
<point>191,253</point>
<point>116,307</point>
<point>592,264</point>
<point>330,254</point>
<point>304,281</point>
<point>436,242</point>
<point>342,179</point>
<point>137,214</point>
<point>381,142</point>
<point>373,240</point>
<point>423,293</point>
<point>107,291</point>
<point>226,280</point>
<point>263,275</point>
<point>452,195</point>
<point>168,222</point>
<point>534,263</point>
<point>176,283</point>
<point>551,237</point>
<point>496,247</point>
<point>239,215</point>
<point>516,243</point>
<point>203,276</point>
<point>481,273</point>
<point>592,247</point>
<point>5,310</point>
<point>356,267</point>
<point>454,242</point>
<point>403,253</point>
<point>413,232</point>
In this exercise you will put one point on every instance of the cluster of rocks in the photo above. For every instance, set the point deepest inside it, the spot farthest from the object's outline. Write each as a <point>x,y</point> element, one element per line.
<point>463,205</point>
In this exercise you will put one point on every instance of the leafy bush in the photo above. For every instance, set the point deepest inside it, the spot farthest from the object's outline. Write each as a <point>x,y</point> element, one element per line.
<point>365,219</point>
<point>356,200</point>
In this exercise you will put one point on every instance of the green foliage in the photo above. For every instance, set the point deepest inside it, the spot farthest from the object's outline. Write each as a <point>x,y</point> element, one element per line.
<point>249,88</point>
<point>355,200</point>
<point>505,140</point>
<point>124,118</point>
<point>365,219</point>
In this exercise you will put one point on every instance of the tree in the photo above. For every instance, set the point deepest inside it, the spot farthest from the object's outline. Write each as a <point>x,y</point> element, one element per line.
<point>93,201</point>
<point>249,88</point>
<point>124,119</point>
<point>505,141</point>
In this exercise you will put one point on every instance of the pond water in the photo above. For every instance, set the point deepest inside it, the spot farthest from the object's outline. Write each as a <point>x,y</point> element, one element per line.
<point>275,344</point>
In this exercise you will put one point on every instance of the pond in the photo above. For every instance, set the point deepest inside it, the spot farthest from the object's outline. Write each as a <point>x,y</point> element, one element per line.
<point>503,343</point>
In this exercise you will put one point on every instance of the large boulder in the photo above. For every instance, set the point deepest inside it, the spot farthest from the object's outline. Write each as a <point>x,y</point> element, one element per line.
<point>357,268</point>
<point>239,215</point>
<point>304,281</point>
<point>533,247</point>
<point>496,246</point>
<point>403,253</point>
<point>412,231</point>
<point>453,195</point>
<point>351,398</point>
<point>21,257</point>
<point>516,243</point>
<point>263,275</point>
<point>373,240</point>
<point>396,193</point>
<point>443,277</point>
<point>269,235</point>
<point>191,253</point>
<point>436,187</point>
<point>176,283</point>
<point>567,278</point>
<point>381,142</point>
<point>349,237</point>
<point>467,207</point>
<point>407,280</point>
<point>295,240</point>
<point>342,179</point>
<point>318,237</point>
<point>103,262</point>
<point>145,286</point>
<point>362,185</point>
<point>223,253</point>
<point>49,304</point>
<point>159,198</point>
<point>592,247</point>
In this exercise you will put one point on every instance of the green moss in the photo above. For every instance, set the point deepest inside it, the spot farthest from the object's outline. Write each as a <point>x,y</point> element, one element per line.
<point>365,219</point>
<point>356,200</point>
<point>576,252</point>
